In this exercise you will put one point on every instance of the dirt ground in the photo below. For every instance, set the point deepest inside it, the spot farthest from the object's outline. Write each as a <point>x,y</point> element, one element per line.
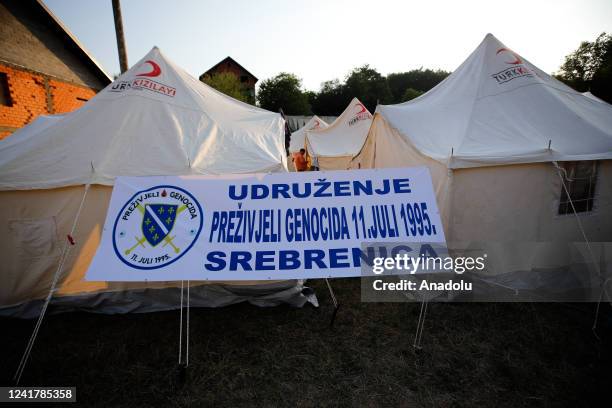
<point>504,355</point>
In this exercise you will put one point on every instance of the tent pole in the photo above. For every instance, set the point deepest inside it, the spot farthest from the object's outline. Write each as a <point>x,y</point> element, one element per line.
<point>180,356</point>
<point>187,333</point>
<point>183,362</point>
<point>182,367</point>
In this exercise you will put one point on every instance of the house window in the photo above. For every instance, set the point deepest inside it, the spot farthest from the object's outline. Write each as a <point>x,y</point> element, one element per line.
<point>579,178</point>
<point>244,78</point>
<point>5,94</point>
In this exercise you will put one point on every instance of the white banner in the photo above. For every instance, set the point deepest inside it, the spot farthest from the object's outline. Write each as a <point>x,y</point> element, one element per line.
<point>262,226</point>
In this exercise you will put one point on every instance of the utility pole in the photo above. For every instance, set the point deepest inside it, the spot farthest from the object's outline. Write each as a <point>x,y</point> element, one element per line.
<point>123,61</point>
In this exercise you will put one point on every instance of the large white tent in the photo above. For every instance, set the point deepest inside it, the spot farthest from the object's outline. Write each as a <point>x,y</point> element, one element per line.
<point>155,119</point>
<point>335,145</point>
<point>492,135</point>
<point>298,138</point>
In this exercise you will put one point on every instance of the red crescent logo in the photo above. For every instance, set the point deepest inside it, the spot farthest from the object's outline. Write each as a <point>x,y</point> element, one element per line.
<point>517,59</point>
<point>154,72</point>
<point>316,125</point>
<point>360,105</point>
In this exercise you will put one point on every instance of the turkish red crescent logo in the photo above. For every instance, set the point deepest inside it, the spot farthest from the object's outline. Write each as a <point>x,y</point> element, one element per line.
<point>517,59</point>
<point>316,125</point>
<point>154,72</point>
<point>360,105</point>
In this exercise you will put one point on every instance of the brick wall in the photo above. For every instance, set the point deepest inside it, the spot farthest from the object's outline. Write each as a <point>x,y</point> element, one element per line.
<point>30,38</point>
<point>68,97</point>
<point>34,94</point>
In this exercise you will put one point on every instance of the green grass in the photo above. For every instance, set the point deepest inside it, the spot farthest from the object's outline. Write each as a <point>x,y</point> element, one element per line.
<point>508,355</point>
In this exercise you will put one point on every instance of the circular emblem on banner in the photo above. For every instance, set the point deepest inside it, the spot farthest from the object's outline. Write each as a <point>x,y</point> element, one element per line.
<point>156,227</point>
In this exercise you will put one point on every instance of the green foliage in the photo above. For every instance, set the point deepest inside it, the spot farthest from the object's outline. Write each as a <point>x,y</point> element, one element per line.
<point>410,94</point>
<point>589,68</point>
<point>364,83</point>
<point>284,91</point>
<point>229,84</point>
<point>418,79</point>
<point>331,100</point>
<point>369,86</point>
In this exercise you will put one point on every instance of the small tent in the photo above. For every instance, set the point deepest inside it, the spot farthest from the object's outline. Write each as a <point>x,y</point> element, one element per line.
<point>155,119</point>
<point>298,138</point>
<point>334,146</point>
<point>296,122</point>
<point>492,135</point>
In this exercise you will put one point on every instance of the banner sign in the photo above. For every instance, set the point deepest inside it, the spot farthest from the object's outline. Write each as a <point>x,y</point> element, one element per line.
<point>261,226</point>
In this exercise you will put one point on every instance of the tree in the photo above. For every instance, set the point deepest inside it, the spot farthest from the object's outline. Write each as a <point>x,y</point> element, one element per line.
<point>410,94</point>
<point>229,84</point>
<point>418,79</point>
<point>369,86</point>
<point>283,91</point>
<point>331,100</point>
<point>589,68</point>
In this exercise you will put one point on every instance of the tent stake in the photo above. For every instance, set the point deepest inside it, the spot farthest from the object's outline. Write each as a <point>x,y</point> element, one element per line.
<point>334,301</point>
<point>183,363</point>
<point>420,326</point>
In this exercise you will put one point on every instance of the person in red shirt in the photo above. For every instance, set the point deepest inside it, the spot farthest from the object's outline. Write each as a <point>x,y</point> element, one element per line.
<point>300,161</point>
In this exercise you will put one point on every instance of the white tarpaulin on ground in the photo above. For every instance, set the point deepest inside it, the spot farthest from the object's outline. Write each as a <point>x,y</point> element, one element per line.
<point>336,144</point>
<point>154,119</point>
<point>261,227</point>
<point>298,138</point>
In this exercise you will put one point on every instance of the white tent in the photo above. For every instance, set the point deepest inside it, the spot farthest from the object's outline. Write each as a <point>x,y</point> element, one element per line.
<point>162,122</point>
<point>297,122</point>
<point>298,138</point>
<point>155,119</point>
<point>335,145</point>
<point>492,134</point>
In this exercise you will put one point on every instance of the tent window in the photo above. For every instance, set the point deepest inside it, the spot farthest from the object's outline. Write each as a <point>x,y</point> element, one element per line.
<point>5,94</point>
<point>580,179</point>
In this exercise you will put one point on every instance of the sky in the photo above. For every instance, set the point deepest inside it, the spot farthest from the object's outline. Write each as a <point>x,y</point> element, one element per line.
<point>323,40</point>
